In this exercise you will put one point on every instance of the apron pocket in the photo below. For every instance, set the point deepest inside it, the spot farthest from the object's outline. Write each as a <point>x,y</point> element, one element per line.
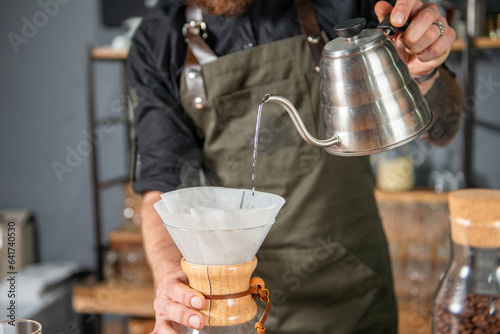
<point>324,289</point>
<point>282,154</point>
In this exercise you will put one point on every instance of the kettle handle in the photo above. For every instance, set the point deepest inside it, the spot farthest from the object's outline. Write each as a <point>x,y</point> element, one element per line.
<point>297,121</point>
<point>389,29</point>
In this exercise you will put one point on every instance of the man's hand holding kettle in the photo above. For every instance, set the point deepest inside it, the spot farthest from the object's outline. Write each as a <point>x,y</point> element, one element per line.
<point>426,42</point>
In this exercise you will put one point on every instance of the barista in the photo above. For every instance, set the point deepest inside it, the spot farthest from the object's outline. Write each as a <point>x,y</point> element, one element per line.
<point>325,260</point>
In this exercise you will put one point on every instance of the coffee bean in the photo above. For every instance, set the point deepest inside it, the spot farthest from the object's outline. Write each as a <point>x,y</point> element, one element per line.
<point>479,314</point>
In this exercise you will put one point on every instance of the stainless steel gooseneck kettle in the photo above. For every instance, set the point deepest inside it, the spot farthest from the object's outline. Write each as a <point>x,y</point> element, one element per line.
<point>369,101</point>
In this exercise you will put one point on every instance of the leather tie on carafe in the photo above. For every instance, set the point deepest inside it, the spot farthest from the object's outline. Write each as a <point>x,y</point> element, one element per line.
<point>230,292</point>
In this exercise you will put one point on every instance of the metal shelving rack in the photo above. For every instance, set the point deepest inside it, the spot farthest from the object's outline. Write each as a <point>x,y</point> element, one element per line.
<point>106,55</point>
<point>471,45</point>
<point>92,322</point>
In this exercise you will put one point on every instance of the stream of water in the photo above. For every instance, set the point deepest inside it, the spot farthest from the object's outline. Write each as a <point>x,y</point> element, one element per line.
<point>255,145</point>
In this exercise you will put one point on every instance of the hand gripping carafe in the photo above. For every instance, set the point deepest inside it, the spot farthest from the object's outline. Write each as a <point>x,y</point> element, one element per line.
<point>468,297</point>
<point>218,232</point>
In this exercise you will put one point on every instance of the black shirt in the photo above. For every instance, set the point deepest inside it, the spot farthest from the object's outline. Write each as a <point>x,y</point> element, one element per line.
<point>167,143</point>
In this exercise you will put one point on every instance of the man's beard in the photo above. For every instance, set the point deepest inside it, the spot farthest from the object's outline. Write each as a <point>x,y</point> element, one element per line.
<point>221,7</point>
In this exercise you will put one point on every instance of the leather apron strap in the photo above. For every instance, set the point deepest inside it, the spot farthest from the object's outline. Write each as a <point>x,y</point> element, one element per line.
<point>310,26</point>
<point>198,53</point>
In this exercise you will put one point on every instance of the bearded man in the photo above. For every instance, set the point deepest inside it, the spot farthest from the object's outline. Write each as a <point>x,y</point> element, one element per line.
<point>197,71</point>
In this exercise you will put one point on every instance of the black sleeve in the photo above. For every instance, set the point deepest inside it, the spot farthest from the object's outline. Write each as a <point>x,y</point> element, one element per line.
<point>167,145</point>
<point>445,101</point>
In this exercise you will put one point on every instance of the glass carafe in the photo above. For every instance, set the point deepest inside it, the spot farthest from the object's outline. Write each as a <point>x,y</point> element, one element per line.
<point>468,297</point>
<point>246,328</point>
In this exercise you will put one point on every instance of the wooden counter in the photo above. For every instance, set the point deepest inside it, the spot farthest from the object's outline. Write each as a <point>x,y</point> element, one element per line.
<point>138,302</point>
<point>412,322</point>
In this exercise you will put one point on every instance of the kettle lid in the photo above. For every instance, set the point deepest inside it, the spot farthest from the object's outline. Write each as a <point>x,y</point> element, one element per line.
<point>353,39</point>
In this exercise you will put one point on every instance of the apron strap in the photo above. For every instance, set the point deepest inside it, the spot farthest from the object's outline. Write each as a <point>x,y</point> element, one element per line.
<point>310,26</point>
<point>198,53</point>
<point>192,31</point>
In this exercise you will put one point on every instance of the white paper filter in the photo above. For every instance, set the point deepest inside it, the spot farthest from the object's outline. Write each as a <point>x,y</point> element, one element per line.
<point>216,225</point>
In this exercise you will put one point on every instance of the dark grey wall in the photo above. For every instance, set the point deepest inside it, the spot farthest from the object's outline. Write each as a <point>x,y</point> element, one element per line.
<point>44,116</point>
<point>486,142</point>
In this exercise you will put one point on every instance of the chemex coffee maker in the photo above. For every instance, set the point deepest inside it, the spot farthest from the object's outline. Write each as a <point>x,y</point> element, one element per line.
<point>369,101</point>
<point>218,232</point>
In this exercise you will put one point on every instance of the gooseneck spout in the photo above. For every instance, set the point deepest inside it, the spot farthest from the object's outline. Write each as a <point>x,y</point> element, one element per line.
<point>297,121</point>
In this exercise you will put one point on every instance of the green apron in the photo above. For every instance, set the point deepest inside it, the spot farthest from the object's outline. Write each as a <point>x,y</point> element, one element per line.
<point>325,260</point>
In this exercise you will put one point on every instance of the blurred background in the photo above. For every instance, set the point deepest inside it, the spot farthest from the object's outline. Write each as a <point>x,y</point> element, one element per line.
<point>49,171</point>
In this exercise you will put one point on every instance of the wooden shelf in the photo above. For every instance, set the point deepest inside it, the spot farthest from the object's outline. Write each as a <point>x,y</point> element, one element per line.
<point>481,43</point>
<point>115,297</point>
<point>412,196</point>
<point>107,53</point>
<point>411,321</point>
<point>141,326</point>
<point>118,238</point>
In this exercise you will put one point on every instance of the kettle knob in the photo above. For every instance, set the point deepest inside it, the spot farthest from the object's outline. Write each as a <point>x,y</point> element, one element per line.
<point>350,28</point>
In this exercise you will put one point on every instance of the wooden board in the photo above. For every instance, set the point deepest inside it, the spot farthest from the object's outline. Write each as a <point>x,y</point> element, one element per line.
<point>114,298</point>
<point>483,42</point>
<point>412,196</point>
<point>120,238</point>
<point>140,326</point>
<point>108,53</point>
<point>412,321</point>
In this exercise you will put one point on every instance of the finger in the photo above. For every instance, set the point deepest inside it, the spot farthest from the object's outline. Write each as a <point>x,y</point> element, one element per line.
<point>429,36</point>
<point>403,9</point>
<point>439,50</point>
<point>175,312</point>
<point>181,293</point>
<point>420,24</point>
<point>382,8</point>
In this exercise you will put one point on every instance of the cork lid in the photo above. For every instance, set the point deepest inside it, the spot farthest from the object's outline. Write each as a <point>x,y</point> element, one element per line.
<point>475,217</point>
<point>475,205</point>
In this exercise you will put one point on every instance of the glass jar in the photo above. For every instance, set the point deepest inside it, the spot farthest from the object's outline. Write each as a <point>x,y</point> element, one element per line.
<point>395,170</point>
<point>111,265</point>
<point>467,299</point>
